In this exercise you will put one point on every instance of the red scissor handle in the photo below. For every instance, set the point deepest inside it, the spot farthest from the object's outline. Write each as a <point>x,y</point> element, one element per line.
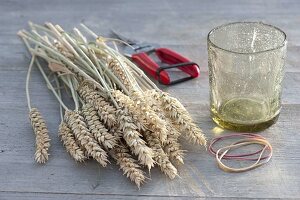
<point>166,56</point>
<point>171,57</point>
<point>150,67</point>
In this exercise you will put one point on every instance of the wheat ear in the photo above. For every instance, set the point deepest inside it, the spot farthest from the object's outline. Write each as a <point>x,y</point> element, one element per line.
<point>41,135</point>
<point>180,117</point>
<point>69,142</point>
<point>119,72</point>
<point>129,165</point>
<point>160,157</point>
<point>79,128</point>
<point>173,148</point>
<point>125,101</point>
<point>133,138</point>
<point>172,130</point>
<point>155,123</point>
<point>99,132</point>
<point>144,113</point>
<point>106,112</point>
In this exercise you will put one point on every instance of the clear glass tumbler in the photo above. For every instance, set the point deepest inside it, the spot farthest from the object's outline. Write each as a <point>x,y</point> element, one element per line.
<point>246,68</point>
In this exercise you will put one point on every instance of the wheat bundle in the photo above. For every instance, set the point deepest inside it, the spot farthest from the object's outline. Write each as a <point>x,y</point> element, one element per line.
<point>116,112</point>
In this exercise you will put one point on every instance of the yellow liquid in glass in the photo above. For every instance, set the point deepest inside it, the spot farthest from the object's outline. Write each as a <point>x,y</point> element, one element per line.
<point>244,114</point>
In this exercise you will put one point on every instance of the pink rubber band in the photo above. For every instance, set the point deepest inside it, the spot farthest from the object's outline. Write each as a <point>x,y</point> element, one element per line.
<point>240,156</point>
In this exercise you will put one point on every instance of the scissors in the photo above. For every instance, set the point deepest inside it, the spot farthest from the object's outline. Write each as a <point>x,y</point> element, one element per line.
<point>139,54</point>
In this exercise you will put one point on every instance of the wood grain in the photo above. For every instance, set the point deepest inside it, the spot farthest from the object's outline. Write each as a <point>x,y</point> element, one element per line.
<point>181,25</point>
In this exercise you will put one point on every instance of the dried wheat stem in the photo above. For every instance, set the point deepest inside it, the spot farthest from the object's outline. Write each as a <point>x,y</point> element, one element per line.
<point>85,60</point>
<point>133,138</point>
<point>27,81</point>
<point>180,117</point>
<point>89,30</point>
<point>128,164</point>
<point>50,85</point>
<point>106,112</point>
<point>41,135</point>
<point>99,132</point>
<point>160,157</point>
<point>34,59</point>
<point>76,123</point>
<point>100,55</point>
<point>99,65</point>
<point>69,142</point>
<point>69,64</point>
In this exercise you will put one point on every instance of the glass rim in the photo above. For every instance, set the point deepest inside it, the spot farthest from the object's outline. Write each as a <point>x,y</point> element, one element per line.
<point>247,53</point>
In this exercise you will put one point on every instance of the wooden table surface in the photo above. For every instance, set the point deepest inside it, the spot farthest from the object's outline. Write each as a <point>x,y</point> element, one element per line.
<point>181,25</point>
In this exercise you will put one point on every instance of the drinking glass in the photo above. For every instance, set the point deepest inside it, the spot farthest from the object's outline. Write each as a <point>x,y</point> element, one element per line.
<point>246,68</point>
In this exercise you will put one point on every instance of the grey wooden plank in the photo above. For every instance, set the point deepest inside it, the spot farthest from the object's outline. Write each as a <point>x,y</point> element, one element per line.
<point>139,18</point>
<point>181,25</point>
<point>47,196</point>
<point>50,196</point>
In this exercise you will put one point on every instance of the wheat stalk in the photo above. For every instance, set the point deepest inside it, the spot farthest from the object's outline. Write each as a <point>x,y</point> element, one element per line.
<point>128,164</point>
<point>76,123</point>
<point>41,135</point>
<point>99,132</point>
<point>62,49</point>
<point>70,143</point>
<point>160,157</point>
<point>106,112</point>
<point>133,138</point>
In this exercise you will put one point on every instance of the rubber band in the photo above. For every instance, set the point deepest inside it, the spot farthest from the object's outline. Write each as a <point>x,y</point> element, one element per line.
<point>247,141</point>
<point>223,153</point>
<point>240,156</point>
<point>248,135</point>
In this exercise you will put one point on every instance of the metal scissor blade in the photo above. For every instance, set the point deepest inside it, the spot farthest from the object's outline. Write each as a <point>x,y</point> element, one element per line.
<point>125,39</point>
